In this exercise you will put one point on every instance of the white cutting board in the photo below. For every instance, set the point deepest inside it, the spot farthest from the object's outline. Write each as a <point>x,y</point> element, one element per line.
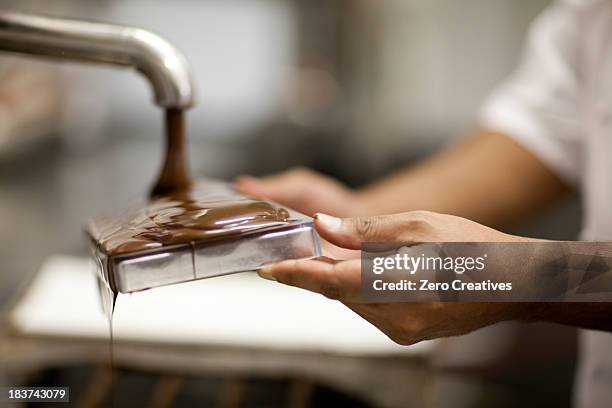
<point>239,310</point>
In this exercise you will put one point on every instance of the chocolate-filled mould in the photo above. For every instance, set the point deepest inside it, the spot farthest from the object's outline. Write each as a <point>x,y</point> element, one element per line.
<point>203,231</point>
<point>191,230</point>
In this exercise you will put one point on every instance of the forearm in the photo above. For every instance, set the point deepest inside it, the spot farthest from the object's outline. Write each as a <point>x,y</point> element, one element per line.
<point>575,272</point>
<point>587,267</point>
<point>488,178</point>
<point>593,315</point>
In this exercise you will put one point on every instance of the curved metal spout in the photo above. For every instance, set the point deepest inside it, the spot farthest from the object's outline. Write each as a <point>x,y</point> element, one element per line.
<point>158,60</point>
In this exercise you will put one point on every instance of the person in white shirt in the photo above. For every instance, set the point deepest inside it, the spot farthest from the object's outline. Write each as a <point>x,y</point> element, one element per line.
<point>545,131</point>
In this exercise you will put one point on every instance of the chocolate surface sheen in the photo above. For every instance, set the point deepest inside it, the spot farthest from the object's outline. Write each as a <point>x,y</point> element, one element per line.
<point>201,212</point>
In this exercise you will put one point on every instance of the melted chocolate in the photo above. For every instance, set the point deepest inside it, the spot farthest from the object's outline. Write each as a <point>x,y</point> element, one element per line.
<point>174,174</point>
<point>181,211</point>
<point>197,213</point>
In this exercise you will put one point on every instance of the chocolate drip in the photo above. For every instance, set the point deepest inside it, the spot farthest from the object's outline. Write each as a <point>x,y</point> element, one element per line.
<point>180,211</point>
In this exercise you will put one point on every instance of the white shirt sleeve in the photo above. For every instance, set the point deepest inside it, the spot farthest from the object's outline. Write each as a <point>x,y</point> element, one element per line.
<point>538,106</point>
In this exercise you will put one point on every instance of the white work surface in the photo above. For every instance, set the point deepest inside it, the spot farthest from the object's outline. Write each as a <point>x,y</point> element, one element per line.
<point>239,310</point>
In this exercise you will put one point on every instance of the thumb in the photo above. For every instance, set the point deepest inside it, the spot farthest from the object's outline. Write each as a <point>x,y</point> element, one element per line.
<point>352,232</point>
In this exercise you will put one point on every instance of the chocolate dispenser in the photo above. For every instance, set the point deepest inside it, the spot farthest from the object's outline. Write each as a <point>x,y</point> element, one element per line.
<point>159,61</point>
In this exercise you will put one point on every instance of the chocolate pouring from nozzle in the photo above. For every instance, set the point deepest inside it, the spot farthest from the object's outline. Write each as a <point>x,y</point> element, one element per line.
<point>159,61</point>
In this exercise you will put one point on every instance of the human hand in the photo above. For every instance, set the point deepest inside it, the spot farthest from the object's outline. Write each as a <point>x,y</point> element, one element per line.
<point>405,323</point>
<point>303,190</point>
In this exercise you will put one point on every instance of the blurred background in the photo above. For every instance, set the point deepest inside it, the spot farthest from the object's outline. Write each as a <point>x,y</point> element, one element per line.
<point>354,89</point>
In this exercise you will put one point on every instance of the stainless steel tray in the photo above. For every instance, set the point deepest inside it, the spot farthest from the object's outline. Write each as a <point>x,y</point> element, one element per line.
<point>182,263</point>
<point>173,264</point>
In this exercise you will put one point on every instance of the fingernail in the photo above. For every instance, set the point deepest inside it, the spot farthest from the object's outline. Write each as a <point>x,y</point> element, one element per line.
<point>266,274</point>
<point>328,221</point>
